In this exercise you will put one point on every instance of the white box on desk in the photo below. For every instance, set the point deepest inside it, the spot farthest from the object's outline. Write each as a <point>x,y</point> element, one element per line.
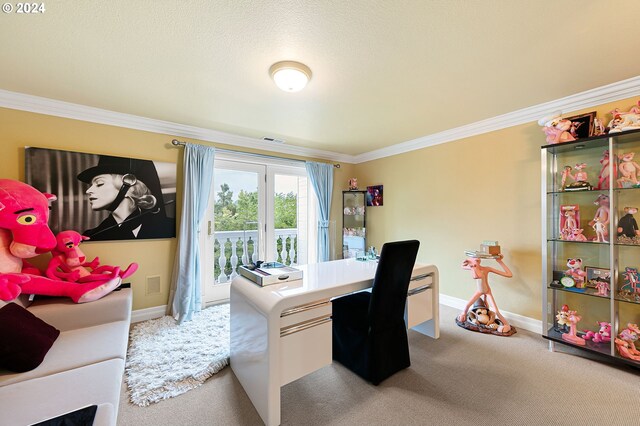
<point>271,273</point>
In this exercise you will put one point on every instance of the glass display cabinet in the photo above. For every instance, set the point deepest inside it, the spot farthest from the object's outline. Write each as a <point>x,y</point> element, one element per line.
<point>591,246</point>
<point>353,223</point>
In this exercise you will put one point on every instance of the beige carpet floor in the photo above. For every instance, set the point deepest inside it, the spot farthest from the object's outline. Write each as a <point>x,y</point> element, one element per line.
<point>464,378</point>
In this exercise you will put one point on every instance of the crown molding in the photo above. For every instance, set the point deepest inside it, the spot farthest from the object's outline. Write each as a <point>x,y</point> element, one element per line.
<point>40,105</point>
<point>598,96</point>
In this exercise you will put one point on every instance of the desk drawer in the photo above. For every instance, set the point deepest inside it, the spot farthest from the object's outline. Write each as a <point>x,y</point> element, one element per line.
<point>299,314</point>
<point>305,347</point>
<point>419,300</point>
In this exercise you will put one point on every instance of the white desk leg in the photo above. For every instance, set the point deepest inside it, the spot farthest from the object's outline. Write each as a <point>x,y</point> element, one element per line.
<point>431,328</point>
<point>252,356</point>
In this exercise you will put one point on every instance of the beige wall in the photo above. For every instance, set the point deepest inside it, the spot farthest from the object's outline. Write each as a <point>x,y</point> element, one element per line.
<point>155,257</point>
<point>455,195</point>
<point>450,197</point>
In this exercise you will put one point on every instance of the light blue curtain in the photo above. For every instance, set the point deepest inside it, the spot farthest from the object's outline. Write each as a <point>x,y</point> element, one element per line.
<point>321,176</point>
<point>198,178</point>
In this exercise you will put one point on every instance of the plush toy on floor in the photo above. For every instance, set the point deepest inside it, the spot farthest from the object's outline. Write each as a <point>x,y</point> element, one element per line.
<point>69,262</point>
<point>24,233</point>
<point>481,318</point>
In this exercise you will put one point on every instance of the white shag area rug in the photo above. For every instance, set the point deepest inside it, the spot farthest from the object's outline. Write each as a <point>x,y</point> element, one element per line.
<point>166,359</point>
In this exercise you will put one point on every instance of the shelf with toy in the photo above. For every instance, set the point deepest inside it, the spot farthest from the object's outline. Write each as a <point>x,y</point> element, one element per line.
<point>630,299</point>
<point>590,193</point>
<point>598,348</point>
<point>626,344</point>
<point>594,142</point>
<point>558,240</point>
<point>600,191</point>
<point>588,291</point>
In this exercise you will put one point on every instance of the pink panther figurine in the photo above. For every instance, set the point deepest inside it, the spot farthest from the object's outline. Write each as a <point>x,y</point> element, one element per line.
<point>480,274</point>
<point>625,342</point>
<point>603,176</point>
<point>625,120</point>
<point>556,128</point>
<point>600,222</point>
<point>628,169</point>
<point>575,271</point>
<point>601,336</point>
<point>573,318</point>
<point>603,288</point>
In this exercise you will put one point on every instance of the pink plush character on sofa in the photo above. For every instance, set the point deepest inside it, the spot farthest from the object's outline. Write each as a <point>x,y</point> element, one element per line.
<point>24,233</point>
<point>69,262</point>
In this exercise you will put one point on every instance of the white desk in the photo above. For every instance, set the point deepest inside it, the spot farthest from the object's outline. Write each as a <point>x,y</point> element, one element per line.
<point>282,332</point>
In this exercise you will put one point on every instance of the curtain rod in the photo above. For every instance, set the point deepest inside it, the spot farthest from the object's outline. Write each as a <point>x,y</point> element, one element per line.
<point>176,142</point>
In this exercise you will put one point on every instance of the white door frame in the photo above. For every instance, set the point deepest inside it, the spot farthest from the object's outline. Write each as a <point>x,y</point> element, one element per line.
<point>211,292</point>
<point>215,293</point>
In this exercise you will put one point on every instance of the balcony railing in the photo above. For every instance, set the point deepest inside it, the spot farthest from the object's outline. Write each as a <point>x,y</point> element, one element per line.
<point>229,251</point>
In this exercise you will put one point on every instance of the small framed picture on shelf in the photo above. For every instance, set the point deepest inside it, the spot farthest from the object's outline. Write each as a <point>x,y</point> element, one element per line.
<point>570,223</point>
<point>596,275</point>
<point>582,125</point>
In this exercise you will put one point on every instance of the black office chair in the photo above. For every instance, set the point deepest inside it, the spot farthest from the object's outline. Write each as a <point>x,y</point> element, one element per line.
<point>369,332</point>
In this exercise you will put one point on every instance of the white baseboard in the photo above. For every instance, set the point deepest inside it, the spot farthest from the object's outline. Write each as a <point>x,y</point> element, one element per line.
<point>148,313</point>
<point>217,302</point>
<point>160,311</point>
<point>519,321</point>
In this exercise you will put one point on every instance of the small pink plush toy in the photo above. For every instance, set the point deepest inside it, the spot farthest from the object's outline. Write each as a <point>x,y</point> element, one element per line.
<point>68,262</point>
<point>601,336</point>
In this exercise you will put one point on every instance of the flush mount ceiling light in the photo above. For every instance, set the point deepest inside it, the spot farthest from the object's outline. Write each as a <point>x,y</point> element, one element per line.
<point>290,76</point>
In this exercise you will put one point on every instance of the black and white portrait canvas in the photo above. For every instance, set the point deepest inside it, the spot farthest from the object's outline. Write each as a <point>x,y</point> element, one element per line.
<point>105,197</point>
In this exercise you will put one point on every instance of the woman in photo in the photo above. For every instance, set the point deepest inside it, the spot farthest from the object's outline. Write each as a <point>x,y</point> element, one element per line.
<point>130,190</point>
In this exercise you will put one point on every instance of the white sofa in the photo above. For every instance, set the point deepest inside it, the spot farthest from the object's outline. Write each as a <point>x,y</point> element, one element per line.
<point>84,366</point>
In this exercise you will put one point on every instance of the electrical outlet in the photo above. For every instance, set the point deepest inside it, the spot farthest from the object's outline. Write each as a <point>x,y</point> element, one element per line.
<point>153,284</point>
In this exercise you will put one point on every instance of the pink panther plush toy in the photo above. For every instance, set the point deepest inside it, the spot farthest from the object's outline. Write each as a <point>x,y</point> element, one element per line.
<point>69,262</point>
<point>601,336</point>
<point>24,233</point>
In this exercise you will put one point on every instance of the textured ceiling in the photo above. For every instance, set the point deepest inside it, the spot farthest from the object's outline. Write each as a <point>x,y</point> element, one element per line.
<point>384,72</point>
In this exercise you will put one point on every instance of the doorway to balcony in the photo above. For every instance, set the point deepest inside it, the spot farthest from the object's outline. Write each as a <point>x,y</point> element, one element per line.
<point>257,211</point>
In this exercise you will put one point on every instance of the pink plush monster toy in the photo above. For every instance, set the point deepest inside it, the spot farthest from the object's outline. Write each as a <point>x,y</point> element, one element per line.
<point>69,262</point>
<point>24,233</point>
